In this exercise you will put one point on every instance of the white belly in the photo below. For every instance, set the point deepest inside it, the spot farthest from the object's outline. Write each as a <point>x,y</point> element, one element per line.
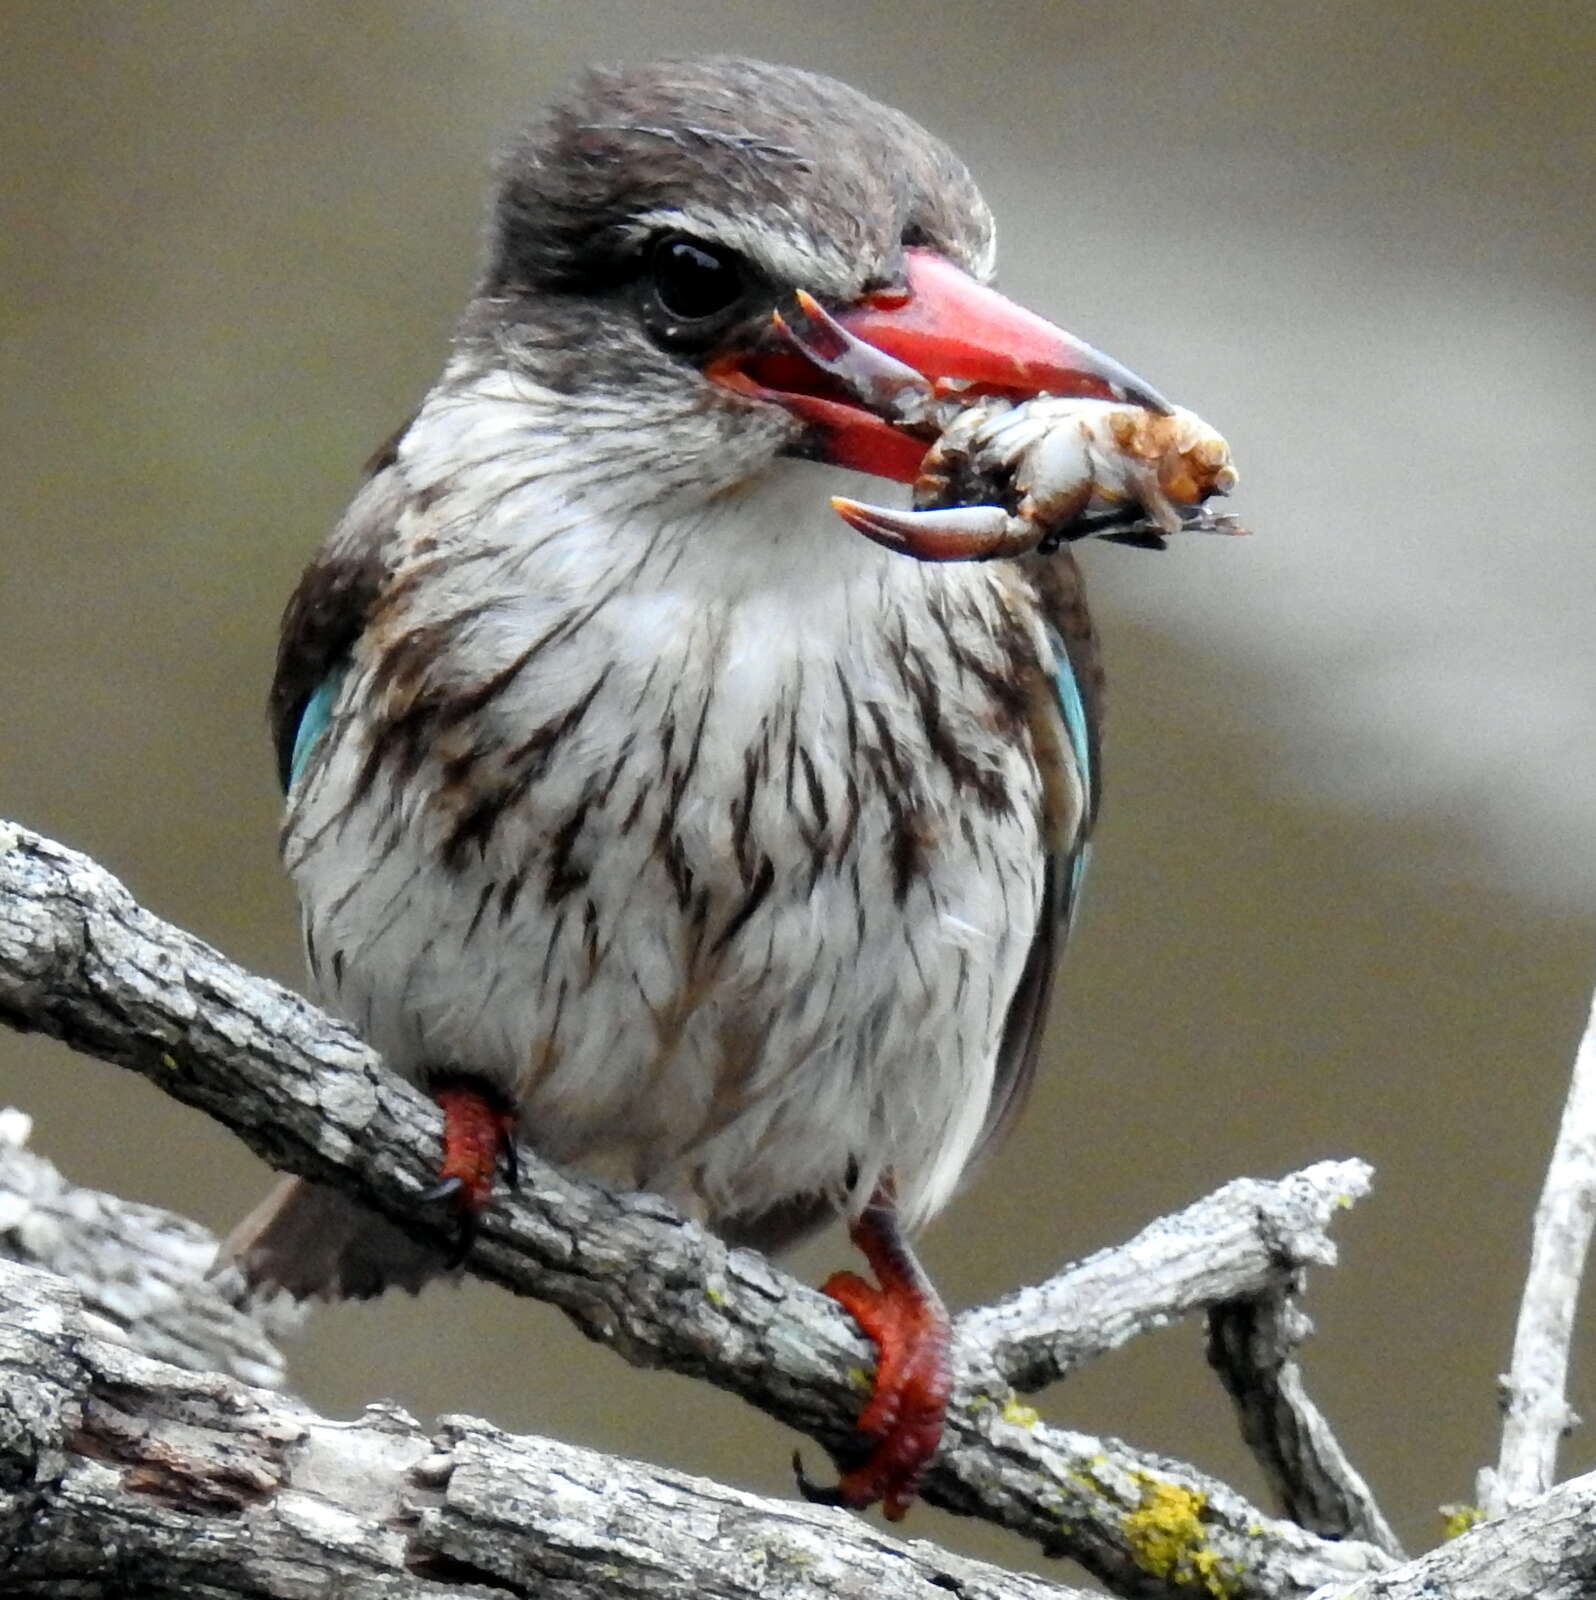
<point>732,1000</point>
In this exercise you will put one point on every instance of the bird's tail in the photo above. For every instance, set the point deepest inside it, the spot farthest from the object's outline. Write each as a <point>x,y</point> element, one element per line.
<point>315,1243</point>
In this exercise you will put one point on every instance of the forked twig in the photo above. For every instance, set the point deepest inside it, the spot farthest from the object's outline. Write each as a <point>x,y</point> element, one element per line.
<point>1534,1391</point>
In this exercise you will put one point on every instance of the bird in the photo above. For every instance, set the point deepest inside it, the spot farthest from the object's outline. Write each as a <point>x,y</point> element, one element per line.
<point>640,809</point>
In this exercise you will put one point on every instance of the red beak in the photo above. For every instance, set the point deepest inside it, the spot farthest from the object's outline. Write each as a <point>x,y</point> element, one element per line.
<point>953,331</point>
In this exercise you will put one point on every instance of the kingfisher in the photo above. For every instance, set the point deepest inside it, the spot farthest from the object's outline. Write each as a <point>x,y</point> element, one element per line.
<point>637,806</point>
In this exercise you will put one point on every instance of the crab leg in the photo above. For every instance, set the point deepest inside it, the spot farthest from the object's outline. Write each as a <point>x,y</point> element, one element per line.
<point>887,386</point>
<point>954,533</point>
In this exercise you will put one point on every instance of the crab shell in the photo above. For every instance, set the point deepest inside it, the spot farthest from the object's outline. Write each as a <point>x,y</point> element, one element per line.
<point>1051,460</point>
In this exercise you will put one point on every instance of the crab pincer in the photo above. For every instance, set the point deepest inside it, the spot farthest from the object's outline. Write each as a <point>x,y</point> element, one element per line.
<point>887,386</point>
<point>1004,477</point>
<point>950,533</point>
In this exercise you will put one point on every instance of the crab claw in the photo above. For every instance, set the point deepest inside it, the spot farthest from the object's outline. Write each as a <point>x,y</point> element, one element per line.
<point>881,382</point>
<point>955,533</point>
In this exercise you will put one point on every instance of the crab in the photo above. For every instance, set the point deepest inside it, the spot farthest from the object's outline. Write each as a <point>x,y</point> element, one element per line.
<point>1003,478</point>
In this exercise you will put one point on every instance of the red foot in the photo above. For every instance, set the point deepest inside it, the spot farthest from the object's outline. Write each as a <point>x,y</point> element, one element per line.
<point>902,1422</point>
<point>478,1128</point>
<point>478,1132</point>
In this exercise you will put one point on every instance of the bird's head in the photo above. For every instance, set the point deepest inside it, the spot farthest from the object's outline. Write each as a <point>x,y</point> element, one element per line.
<point>644,232</point>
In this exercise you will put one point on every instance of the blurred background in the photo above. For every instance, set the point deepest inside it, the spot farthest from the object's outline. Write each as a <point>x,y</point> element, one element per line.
<point>1344,900</point>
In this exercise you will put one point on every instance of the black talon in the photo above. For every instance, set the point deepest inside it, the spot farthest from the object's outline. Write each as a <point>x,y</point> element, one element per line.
<point>465,1217</point>
<point>512,1163</point>
<point>466,1228</point>
<point>817,1494</point>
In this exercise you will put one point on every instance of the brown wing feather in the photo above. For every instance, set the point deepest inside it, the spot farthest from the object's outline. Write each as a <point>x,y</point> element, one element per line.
<point>329,607</point>
<point>1061,593</point>
<point>317,1243</point>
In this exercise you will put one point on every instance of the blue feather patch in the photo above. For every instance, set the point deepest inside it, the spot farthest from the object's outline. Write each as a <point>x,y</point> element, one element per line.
<point>313,722</point>
<point>1073,708</point>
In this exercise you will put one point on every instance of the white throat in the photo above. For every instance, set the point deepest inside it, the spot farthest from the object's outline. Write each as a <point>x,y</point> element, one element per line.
<point>499,461</point>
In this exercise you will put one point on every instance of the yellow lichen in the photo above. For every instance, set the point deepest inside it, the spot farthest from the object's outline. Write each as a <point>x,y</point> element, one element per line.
<point>169,1061</point>
<point>1459,1519</point>
<point>1021,1415</point>
<point>1087,1477</point>
<point>714,1296</point>
<point>1165,1533</point>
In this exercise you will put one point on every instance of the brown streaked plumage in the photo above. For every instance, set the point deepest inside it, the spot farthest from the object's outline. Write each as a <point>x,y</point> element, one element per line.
<point>731,851</point>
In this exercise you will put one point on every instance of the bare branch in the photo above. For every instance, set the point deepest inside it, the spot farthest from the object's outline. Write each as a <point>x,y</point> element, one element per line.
<point>1252,1345</point>
<point>79,959</point>
<point>120,1474</point>
<point>1238,1254</point>
<point>1247,1239</point>
<point>141,1271</point>
<point>1547,1551</point>
<point>1534,1392</point>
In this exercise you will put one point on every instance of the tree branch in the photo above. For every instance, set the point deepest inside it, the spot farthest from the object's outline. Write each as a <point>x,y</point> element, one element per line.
<point>1547,1551</point>
<point>1252,1345</point>
<point>1246,1240</point>
<point>80,960</point>
<point>121,1474</point>
<point>1534,1392</point>
<point>141,1272</point>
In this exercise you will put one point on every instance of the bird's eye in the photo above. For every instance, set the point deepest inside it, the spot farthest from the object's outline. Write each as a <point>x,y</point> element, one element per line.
<point>692,286</point>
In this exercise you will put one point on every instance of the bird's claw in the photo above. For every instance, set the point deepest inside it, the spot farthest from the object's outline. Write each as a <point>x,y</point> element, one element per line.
<point>467,1224</point>
<point>818,1494</point>
<point>478,1134</point>
<point>901,1425</point>
<point>464,1218</point>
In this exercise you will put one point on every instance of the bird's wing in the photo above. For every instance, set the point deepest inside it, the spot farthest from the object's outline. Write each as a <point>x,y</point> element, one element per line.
<point>328,610</point>
<point>1071,699</point>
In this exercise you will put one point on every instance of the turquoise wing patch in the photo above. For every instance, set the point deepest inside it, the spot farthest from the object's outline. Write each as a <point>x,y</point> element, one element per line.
<point>313,722</point>
<point>1069,702</point>
<point>1073,708</point>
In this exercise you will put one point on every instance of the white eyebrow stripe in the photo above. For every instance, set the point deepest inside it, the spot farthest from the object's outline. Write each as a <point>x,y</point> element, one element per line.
<point>787,254</point>
<point>982,268</point>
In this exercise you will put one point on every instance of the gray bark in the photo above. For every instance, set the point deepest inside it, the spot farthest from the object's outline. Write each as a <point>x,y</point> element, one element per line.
<point>1536,1412</point>
<point>1244,1241</point>
<point>79,959</point>
<point>121,1475</point>
<point>107,1455</point>
<point>141,1272</point>
<point>1547,1551</point>
<point>1252,1345</point>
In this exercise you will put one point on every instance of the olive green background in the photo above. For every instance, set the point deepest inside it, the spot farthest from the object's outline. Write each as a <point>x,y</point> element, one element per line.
<point>1342,900</point>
